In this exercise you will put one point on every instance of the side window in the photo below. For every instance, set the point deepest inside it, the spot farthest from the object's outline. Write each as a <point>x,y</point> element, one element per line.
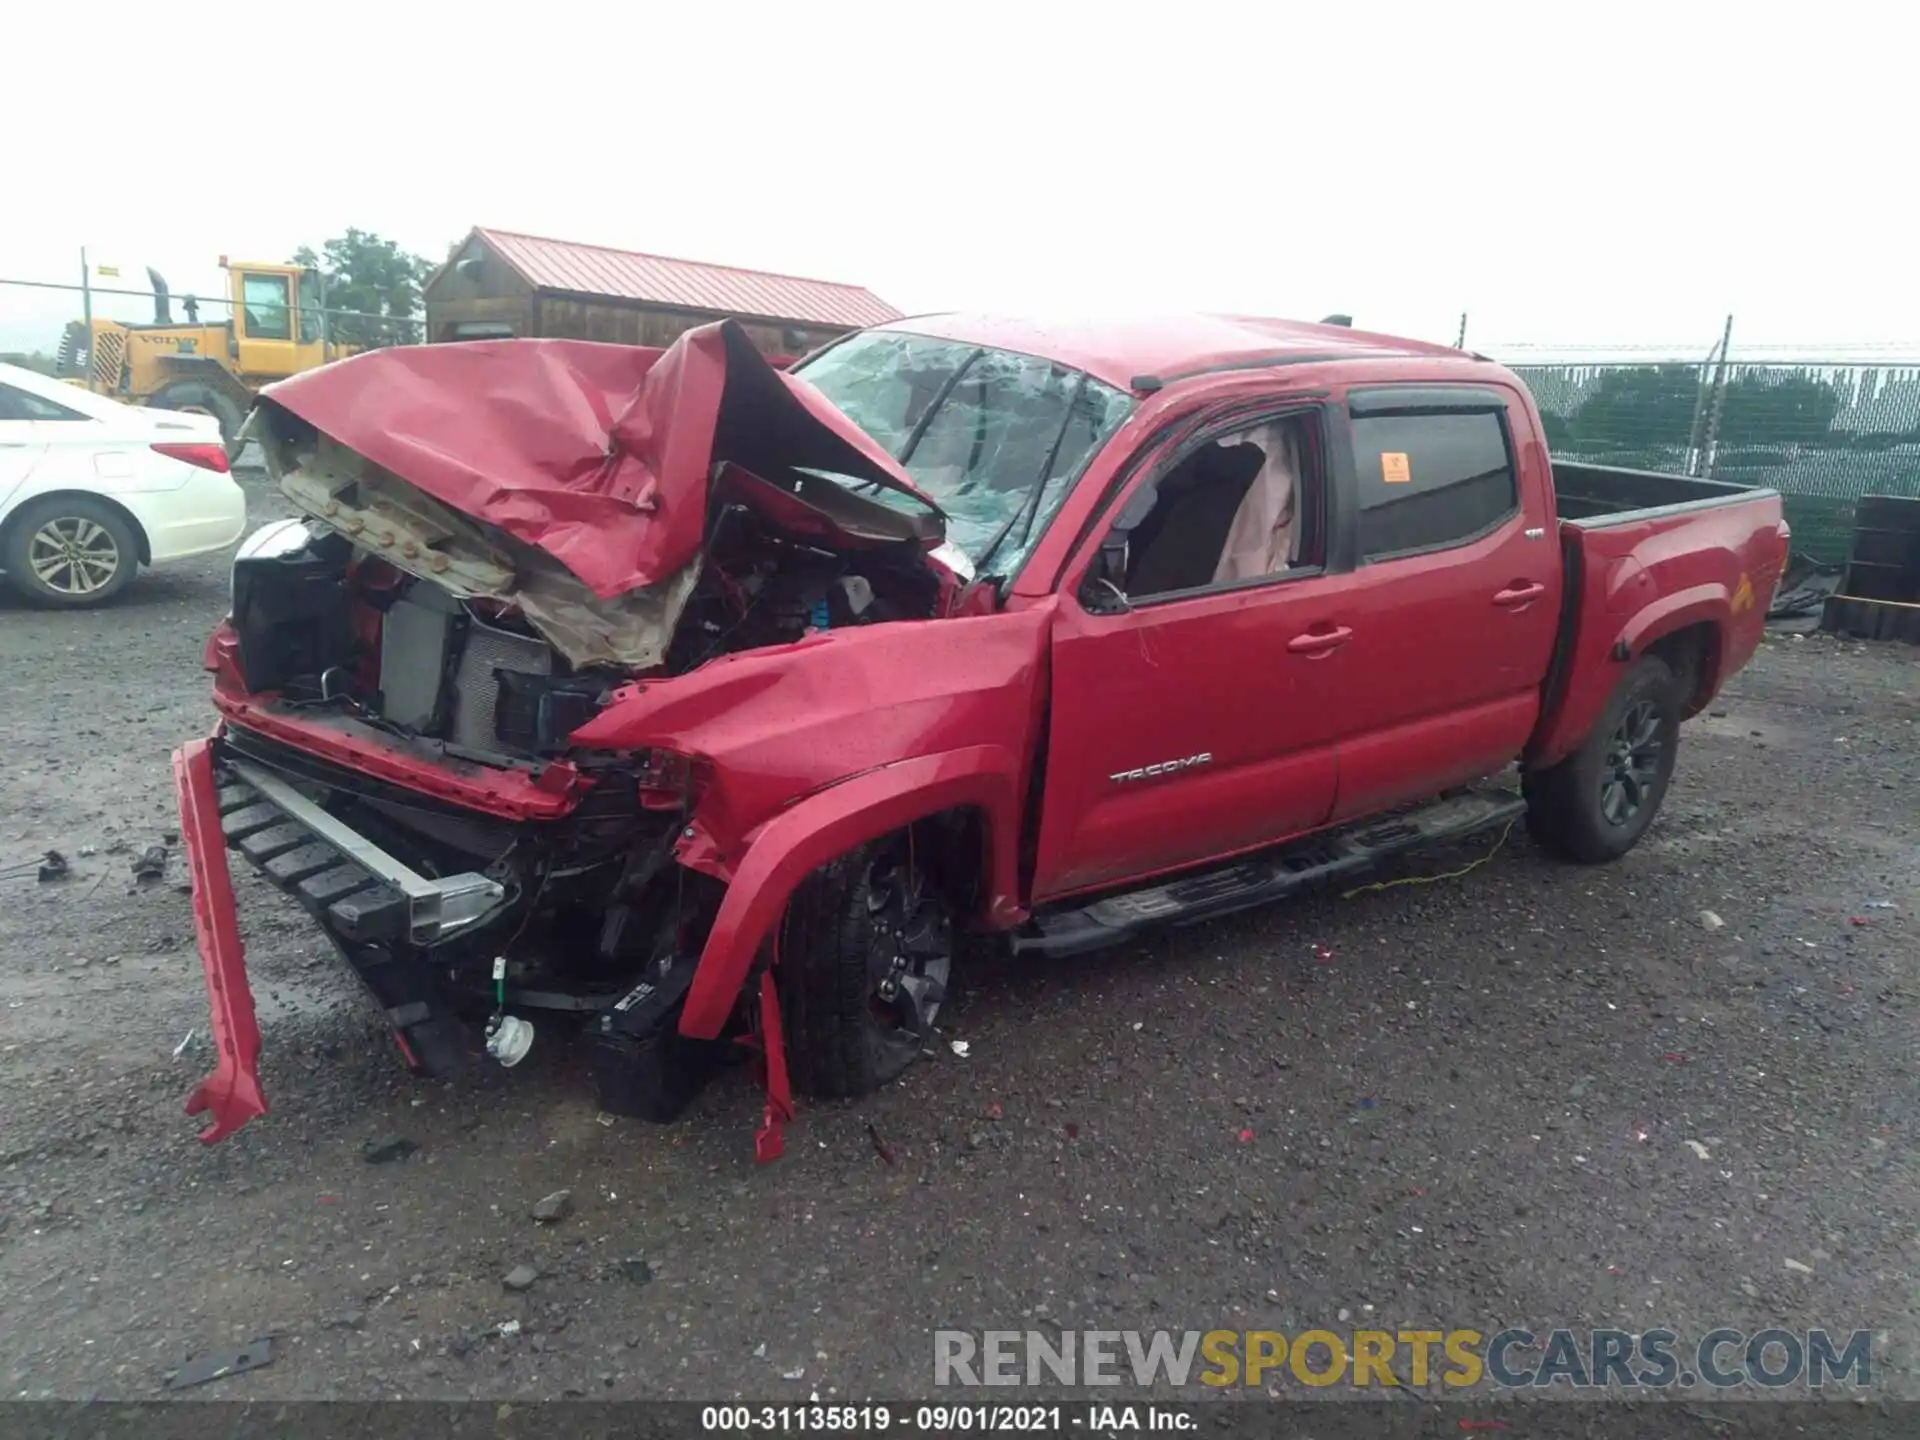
<point>269,317</point>
<point>1431,481</point>
<point>16,404</point>
<point>309,307</point>
<point>1242,506</point>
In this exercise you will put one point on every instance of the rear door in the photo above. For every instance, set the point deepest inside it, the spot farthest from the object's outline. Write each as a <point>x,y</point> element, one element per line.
<point>1458,589</point>
<point>22,442</point>
<point>1202,720</point>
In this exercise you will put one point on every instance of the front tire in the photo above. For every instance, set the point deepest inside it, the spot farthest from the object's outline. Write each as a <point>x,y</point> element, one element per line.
<point>866,956</point>
<point>70,552</point>
<point>1595,805</point>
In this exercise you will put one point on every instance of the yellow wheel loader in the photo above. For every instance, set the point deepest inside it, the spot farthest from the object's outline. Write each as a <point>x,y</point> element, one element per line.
<point>204,367</point>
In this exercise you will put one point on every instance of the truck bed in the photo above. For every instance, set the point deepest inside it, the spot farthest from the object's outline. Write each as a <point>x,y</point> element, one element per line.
<point>1659,562</point>
<point>1607,494</point>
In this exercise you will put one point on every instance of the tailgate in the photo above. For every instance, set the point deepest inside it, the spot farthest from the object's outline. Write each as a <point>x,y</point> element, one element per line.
<point>1635,578</point>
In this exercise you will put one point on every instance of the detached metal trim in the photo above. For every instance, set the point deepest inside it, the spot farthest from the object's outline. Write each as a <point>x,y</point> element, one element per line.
<point>435,908</point>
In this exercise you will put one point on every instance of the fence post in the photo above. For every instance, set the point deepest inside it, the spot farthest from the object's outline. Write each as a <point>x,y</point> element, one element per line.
<point>1718,403</point>
<point>320,292</point>
<point>86,313</point>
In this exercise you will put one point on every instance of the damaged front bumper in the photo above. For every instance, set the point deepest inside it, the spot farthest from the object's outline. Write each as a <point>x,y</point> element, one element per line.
<point>365,899</point>
<point>231,1095</point>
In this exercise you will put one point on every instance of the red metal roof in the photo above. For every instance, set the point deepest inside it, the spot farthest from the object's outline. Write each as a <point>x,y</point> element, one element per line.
<point>685,284</point>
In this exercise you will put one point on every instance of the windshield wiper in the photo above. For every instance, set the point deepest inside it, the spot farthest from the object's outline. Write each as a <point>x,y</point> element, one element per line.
<point>1030,505</point>
<point>926,417</point>
<point>933,408</point>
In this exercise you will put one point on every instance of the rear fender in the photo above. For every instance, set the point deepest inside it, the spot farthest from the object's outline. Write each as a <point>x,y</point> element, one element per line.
<point>1620,614</point>
<point>1703,604</point>
<point>828,824</point>
<point>1708,611</point>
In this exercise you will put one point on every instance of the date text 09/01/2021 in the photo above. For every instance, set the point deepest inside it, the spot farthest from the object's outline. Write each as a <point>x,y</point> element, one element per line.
<point>943,1419</point>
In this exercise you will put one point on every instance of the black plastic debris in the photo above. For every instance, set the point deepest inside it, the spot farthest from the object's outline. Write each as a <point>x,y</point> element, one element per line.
<point>218,1364</point>
<point>380,1152</point>
<point>150,863</point>
<point>1804,589</point>
<point>54,867</point>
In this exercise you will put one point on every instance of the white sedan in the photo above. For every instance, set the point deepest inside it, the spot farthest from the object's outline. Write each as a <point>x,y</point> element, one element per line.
<point>91,490</point>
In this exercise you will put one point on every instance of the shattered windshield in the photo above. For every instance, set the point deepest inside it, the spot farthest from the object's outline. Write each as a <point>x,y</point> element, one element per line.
<point>995,438</point>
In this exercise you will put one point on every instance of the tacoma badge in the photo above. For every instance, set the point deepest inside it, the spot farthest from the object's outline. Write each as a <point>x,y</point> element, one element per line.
<point>1165,767</point>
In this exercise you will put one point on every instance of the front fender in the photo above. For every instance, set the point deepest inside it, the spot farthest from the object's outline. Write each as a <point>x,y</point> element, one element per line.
<point>828,824</point>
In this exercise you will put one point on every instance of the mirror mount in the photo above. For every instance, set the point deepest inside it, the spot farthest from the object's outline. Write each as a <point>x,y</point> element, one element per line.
<point>1101,592</point>
<point>1100,596</point>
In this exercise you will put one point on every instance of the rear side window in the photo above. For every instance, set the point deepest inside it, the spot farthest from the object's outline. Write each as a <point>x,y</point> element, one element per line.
<point>1431,481</point>
<point>16,404</point>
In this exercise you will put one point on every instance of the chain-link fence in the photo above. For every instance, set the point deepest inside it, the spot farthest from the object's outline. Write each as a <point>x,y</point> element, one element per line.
<point>49,320</point>
<point>1822,433</point>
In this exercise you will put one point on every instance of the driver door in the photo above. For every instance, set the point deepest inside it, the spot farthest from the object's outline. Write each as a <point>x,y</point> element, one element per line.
<point>264,322</point>
<point>1203,721</point>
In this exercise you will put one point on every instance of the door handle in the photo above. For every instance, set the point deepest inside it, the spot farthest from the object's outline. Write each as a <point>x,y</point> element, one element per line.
<point>1320,642</point>
<point>1522,594</point>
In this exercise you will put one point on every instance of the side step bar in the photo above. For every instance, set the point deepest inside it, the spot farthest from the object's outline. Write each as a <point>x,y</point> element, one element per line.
<point>1263,878</point>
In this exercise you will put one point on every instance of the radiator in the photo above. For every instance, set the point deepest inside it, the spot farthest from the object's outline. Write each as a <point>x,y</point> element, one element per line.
<point>414,641</point>
<point>477,688</point>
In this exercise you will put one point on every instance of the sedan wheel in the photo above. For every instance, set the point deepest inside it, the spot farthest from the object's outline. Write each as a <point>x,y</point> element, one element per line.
<point>74,556</point>
<point>69,551</point>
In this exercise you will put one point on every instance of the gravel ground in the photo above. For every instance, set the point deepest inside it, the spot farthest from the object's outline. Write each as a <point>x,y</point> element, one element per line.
<point>1473,1102</point>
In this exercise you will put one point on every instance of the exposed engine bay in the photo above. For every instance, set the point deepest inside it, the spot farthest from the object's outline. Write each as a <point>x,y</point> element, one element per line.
<point>503,708</point>
<point>387,609</point>
<point>415,618</point>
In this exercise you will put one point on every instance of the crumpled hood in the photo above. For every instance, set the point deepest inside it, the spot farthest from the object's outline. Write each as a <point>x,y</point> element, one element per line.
<point>600,455</point>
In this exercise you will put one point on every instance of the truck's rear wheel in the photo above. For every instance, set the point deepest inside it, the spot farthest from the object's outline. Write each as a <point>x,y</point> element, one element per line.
<point>866,956</point>
<point>193,398</point>
<point>1596,804</point>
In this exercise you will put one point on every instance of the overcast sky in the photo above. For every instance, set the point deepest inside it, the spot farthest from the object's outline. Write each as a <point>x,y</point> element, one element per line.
<point>1591,174</point>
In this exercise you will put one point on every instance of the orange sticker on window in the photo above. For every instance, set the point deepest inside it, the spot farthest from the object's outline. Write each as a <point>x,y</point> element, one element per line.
<point>1394,468</point>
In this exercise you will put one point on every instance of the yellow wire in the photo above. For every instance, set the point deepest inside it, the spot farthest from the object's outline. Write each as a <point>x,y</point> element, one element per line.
<point>1466,869</point>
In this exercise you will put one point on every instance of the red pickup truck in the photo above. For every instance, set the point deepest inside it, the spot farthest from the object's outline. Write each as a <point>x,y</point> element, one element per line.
<point>702,709</point>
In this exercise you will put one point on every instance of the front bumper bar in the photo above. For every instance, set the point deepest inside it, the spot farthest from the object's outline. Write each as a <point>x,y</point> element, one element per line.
<point>366,900</point>
<point>367,893</point>
<point>231,1095</point>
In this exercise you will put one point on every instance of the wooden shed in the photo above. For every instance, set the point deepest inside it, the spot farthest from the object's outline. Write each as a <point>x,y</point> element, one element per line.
<point>498,284</point>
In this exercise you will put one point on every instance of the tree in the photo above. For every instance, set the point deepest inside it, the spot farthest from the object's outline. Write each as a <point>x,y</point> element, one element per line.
<point>371,277</point>
<point>1559,428</point>
<point>36,360</point>
<point>1638,406</point>
<point>1763,408</point>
